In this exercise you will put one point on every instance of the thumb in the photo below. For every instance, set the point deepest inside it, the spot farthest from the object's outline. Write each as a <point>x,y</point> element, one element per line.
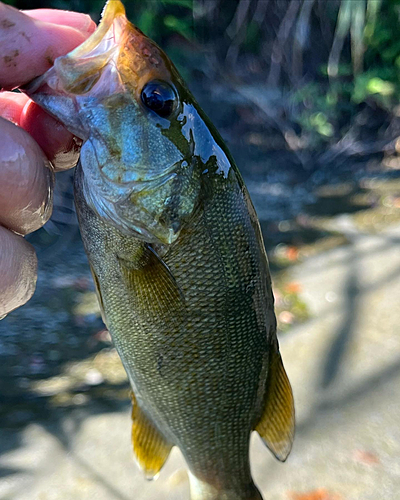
<point>28,46</point>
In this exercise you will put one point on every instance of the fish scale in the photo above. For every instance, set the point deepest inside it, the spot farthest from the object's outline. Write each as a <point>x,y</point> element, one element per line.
<point>219,344</point>
<point>178,260</point>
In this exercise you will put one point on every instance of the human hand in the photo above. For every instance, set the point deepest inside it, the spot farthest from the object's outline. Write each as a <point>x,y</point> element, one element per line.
<point>32,143</point>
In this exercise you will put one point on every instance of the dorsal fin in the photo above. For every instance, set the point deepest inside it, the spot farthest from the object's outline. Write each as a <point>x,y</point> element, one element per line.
<point>276,425</point>
<point>150,447</point>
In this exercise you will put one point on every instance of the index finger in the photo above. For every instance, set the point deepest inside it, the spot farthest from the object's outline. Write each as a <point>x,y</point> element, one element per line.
<point>77,20</point>
<point>29,45</point>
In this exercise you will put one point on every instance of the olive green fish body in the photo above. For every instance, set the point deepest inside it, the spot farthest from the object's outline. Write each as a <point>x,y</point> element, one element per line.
<point>198,367</point>
<point>178,260</point>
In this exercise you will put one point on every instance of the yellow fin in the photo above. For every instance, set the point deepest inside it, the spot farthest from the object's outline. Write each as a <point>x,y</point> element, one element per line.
<point>150,447</point>
<point>276,426</point>
<point>155,292</point>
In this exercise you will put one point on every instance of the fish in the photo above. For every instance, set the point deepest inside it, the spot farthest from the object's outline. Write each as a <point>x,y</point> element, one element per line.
<point>177,257</point>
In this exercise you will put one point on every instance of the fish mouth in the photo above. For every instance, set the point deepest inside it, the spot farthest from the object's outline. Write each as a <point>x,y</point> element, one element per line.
<point>95,91</point>
<point>117,51</point>
<point>78,71</point>
<point>113,10</point>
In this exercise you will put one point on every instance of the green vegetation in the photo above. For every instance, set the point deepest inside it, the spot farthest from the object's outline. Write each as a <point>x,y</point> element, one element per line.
<point>362,70</point>
<point>353,44</point>
<point>331,60</point>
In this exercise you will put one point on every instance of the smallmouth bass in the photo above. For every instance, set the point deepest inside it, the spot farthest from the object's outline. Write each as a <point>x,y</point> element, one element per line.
<point>177,257</point>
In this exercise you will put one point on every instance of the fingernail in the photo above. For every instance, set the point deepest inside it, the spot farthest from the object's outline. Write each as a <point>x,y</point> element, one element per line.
<point>47,208</point>
<point>88,25</point>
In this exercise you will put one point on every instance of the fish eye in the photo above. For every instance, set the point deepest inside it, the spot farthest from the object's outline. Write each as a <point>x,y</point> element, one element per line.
<point>160,97</point>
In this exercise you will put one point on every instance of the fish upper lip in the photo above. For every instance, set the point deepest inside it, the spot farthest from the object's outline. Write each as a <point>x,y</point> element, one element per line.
<point>96,45</point>
<point>112,10</point>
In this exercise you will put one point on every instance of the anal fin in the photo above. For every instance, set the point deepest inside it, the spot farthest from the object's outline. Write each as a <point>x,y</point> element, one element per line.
<point>276,425</point>
<point>150,447</point>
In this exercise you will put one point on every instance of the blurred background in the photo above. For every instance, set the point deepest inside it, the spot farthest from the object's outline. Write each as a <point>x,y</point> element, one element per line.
<point>306,95</point>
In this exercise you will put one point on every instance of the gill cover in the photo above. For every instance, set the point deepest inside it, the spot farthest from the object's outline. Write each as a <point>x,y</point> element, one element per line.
<point>120,93</point>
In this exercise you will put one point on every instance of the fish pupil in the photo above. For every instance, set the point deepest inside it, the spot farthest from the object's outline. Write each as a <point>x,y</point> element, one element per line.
<point>160,97</point>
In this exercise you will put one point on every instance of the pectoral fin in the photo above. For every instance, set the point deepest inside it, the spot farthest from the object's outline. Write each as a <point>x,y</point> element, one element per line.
<point>276,426</point>
<point>155,291</point>
<point>150,447</point>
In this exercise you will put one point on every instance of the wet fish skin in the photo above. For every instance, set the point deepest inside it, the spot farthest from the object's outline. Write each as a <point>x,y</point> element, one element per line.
<point>178,260</point>
<point>184,373</point>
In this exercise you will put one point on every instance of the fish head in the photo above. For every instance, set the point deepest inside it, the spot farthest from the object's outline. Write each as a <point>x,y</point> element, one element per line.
<point>145,139</point>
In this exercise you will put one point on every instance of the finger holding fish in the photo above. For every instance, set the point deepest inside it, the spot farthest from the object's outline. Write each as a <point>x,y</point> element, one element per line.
<point>18,267</point>
<point>29,44</point>
<point>31,139</point>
